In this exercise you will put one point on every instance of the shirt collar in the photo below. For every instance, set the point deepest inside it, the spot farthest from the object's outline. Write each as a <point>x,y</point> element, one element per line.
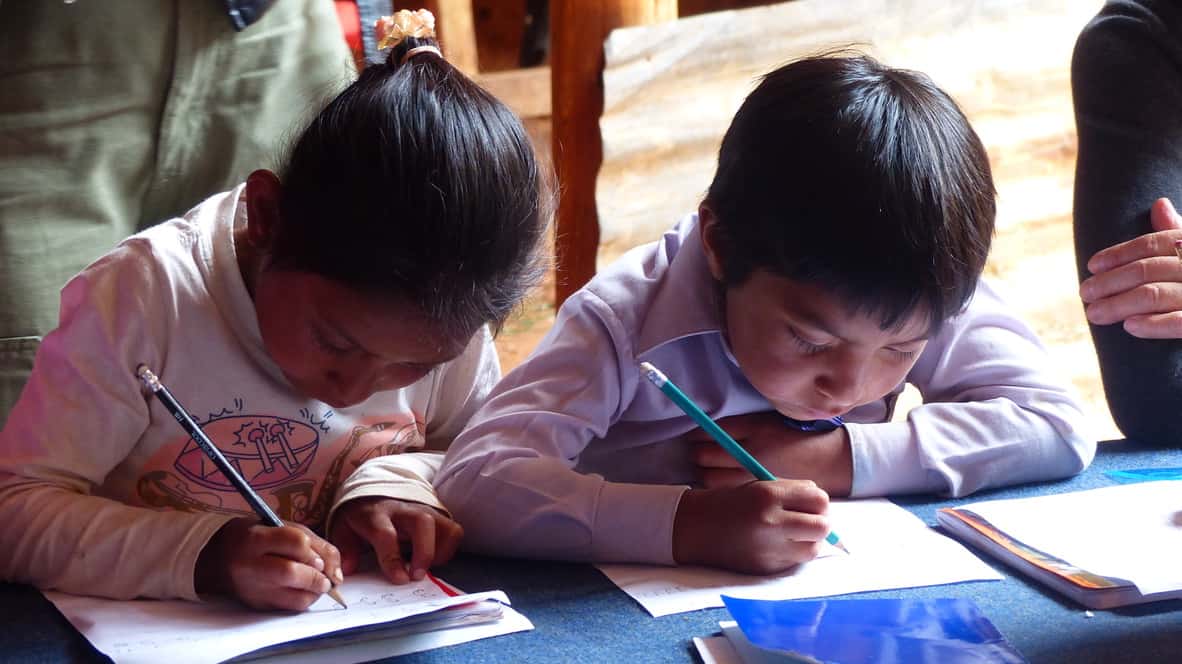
<point>685,302</point>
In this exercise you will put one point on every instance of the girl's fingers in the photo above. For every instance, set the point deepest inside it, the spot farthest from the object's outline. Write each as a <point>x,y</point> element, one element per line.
<point>288,542</point>
<point>349,544</point>
<point>270,573</point>
<point>283,599</point>
<point>331,557</point>
<point>383,537</point>
<point>448,535</point>
<point>421,526</point>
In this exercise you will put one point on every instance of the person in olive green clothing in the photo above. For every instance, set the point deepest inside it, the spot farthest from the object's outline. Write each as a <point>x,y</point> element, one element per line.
<point>117,114</point>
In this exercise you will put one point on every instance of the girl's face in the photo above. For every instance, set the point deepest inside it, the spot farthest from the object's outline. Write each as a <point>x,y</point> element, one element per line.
<point>340,347</point>
<point>808,355</point>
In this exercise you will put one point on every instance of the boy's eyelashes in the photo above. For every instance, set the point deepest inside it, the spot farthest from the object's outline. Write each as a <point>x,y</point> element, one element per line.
<point>809,347</point>
<point>806,346</point>
<point>903,355</point>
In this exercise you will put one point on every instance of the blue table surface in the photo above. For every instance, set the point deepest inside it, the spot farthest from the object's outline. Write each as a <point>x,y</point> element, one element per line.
<point>581,616</point>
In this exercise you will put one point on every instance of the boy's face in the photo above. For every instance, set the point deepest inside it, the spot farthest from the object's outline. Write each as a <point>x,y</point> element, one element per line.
<point>340,347</point>
<point>807,354</point>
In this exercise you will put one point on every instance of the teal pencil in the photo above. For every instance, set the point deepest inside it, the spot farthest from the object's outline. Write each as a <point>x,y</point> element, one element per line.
<point>729,444</point>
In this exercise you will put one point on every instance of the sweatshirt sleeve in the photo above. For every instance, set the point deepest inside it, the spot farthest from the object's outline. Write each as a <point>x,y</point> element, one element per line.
<point>993,414</point>
<point>457,390</point>
<point>80,415</point>
<point>510,479</point>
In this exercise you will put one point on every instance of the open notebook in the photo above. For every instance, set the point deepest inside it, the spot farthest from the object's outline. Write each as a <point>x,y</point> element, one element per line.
<point>397,619</point>
<point>1102,548</point>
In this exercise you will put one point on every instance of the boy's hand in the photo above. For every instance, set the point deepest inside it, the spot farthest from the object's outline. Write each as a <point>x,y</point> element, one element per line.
<point>266,567</point>
<point>1139,282</point>
<point>388,525</point>
<point>823,457</point>
<point>757,528</point>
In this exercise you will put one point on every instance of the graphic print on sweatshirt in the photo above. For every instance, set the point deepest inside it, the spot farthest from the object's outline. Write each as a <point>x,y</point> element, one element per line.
<point>295,463</point>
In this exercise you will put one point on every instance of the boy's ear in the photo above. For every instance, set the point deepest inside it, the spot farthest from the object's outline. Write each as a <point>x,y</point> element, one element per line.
<point>262,208</point>
<point>712,239</point>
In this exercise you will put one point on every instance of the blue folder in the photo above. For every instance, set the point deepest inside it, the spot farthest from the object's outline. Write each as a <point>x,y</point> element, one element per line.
<point>847,631</point>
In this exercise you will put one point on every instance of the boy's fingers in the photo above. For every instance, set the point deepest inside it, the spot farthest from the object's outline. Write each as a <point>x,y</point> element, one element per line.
<point>711,455</point>
<point>721,478</point>
<point>802,496</point>
<point>806,527</point>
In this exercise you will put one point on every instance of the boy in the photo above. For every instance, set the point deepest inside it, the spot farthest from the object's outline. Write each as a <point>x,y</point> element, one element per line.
<point>836,257</point>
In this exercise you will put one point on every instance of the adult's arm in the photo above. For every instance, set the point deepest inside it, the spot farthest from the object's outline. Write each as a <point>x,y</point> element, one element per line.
<point>1127,84</point>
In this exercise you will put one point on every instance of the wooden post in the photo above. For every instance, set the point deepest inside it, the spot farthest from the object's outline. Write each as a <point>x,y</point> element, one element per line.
<point>456,30</point>
<point>577,31</point>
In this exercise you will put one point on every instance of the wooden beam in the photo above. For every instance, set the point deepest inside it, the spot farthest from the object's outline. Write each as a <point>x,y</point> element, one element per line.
<point>577,31</point>
<point>526,91</point>
<point>456,30</point>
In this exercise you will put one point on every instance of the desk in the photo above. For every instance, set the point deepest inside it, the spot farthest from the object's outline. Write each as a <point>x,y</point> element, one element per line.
<point>580,616</point>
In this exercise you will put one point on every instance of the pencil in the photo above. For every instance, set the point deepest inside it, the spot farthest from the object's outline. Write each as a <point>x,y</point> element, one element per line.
<point>669,389</point>
<point>247,492</point>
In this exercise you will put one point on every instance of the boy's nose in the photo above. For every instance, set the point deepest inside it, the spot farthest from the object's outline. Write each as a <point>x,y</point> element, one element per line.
<point>841,384</point>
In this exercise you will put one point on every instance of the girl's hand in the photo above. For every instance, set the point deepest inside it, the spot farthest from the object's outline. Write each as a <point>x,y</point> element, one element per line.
<point>389,525</point>
<point>264,567</point>
<point>757,528</point>
<point>1139,282</point>
<point>823,457</point>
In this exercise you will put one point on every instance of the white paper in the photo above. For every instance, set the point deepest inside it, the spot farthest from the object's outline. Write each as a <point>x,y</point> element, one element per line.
<point>1131,532</point>
<point>889,548</point>
<point>716,650</point>
<point>368,651</point>
<point>181,632</point>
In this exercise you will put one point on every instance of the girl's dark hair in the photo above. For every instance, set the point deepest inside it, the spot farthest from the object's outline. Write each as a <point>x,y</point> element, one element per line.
<point>865,180</point>
<point>416,183</point>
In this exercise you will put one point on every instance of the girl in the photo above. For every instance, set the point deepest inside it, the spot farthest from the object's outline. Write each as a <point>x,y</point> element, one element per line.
<point>325,326</point>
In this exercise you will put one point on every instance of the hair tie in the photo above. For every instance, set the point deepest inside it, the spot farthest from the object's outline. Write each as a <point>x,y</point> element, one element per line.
<point>392,30</point>
<point>420,49</point>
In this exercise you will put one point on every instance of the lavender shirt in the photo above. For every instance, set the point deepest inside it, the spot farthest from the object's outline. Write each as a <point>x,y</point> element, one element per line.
<point>576,456</point>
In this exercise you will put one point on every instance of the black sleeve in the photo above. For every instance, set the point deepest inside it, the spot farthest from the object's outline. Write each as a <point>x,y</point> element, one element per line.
<point>1126,76</point>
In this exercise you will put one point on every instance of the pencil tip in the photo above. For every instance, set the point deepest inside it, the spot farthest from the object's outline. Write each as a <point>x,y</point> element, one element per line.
<point>336,595</point>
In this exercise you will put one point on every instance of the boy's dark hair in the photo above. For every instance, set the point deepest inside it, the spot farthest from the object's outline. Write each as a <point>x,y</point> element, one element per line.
<point>864,180</point>
<point>416,183</point>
